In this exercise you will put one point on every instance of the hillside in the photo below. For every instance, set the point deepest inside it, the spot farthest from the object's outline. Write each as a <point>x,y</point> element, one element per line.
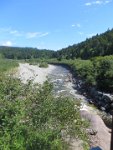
<point>99,45</point>
<point>25,53</point>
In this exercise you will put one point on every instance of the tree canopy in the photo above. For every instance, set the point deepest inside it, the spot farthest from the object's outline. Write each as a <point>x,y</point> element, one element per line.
<point>25,53</point>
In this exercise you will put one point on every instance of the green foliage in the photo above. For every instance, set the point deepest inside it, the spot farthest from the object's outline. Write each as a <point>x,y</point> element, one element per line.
<point>25,53</point>
<point>104,72</point>
<point>85,70</point>
<point>43,64</point>
<point>6,64</point>
<point>31,118</point>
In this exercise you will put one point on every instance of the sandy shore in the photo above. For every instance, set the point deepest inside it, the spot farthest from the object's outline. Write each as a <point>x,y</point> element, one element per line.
<point>28,72</point>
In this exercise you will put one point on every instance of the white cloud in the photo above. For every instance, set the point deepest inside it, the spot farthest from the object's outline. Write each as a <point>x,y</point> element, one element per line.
<point>108,1</point>
<point>36,34</point>
<point>30,35</point>
<point>76,25</point>
<point>88,4</point>
<point>7,43</point>
<point>98,2</point>
<point>44,34</point>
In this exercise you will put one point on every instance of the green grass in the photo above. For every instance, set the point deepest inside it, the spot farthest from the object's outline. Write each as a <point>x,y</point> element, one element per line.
<point>6,65</point>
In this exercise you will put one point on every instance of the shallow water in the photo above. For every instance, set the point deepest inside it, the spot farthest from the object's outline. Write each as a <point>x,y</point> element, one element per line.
<point>61,78</point>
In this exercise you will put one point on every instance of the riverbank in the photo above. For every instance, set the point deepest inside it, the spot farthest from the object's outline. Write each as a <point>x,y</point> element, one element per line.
<point>99,134</point>
<point>28,72</point>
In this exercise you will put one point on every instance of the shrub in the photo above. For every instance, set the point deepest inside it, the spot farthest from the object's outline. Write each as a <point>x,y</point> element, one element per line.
<point>43,65</point>
<point>31,118</point>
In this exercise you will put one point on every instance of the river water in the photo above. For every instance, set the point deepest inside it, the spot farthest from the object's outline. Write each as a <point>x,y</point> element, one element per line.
<point>61,77</point>
<point>63,85</point>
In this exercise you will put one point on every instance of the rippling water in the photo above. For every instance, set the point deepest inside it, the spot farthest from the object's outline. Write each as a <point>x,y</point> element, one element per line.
<point>61,78</point>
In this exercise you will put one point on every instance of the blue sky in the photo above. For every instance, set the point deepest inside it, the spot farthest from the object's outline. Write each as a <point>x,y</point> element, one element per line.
<point>52,24</point>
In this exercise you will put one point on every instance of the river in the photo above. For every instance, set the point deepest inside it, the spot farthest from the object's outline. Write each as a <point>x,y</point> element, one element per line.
<point>62,80</point>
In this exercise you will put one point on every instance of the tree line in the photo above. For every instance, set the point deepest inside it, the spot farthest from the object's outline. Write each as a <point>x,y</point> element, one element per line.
<point>25,53</point>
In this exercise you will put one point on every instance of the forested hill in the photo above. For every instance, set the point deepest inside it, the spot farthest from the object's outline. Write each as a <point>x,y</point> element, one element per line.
<point>99,45</point>
<point>25,53</point>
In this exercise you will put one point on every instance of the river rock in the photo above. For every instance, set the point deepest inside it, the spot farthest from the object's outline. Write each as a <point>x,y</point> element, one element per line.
<point>91,131</point>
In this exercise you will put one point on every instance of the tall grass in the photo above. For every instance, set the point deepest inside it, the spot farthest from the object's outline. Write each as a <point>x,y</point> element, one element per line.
<point>6,65</point>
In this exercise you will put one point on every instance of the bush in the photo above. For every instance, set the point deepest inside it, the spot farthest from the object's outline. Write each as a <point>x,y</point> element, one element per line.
<point>43,65</point>
<point>31,118</point>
